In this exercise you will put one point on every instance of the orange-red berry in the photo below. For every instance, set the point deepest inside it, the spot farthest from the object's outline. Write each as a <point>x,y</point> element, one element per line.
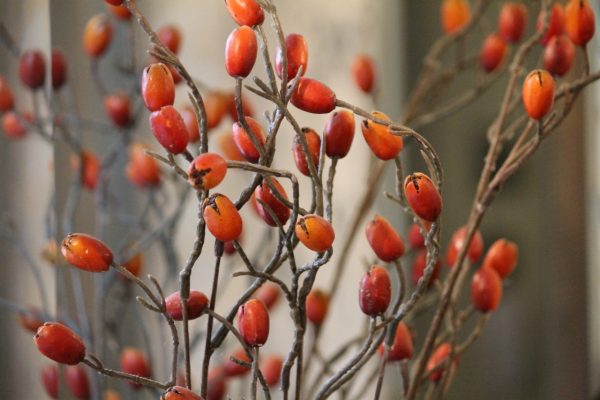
<point>423,196</point>
<point>207,171</point>
<point>559,55</point>
<point>253,322</point>
<point>579,21</point>
<point>6,95</point>
<point>232,368</point>
<point>268,293</point>
<point>13,125</point>
<point>457,241</point>
<point>120,11</point>
<point>556,23</point>
<point>297,56</point>
<point>245,12</point>
<point>118,108</point>
<point>264,193</point>
<point>418,268</point>
<point>492,52</point>
<point>110,394</point>
<point>191,123</point>
<point>32,69</point>
<point>384,240</point>
<point>313,96</point>
<point>217,385</point>
<point>59,343</point>
<point>455,14</point>
<point>169,129</point>
<point>244,143</point>
<point>170,36</point>
<point>158,88</point>
<point>97,35</point>
<point>86,252</point>
<point>134,362</point>
<point>502,257</point>
<point>486,289</point>
<point>216,105</point>
<point>538,93</point>
<point>512,21</point>
<point>313,140</point>
<point>271,369</point>
<point>78,382</point>
<point>134,265</point>
<point>31,319</point>
<point>381,141</point>
<point>315,232</point>
<point>142,170</point>
<point>222,218</point>
<point>375,291</point>
<point>197,303</point>
<point>49,375</point>
<point>240,52</point>
<point>228,147</point>
<point>339,133</point>
<point>437,359</point>
<point>402,347</point>
<point>90,170</point>
<point>179,393</point>
<point>114,2</point>
<point>415,239</point>
<point>363,70</point>
<point>317,305</point>
<point>59,68</point>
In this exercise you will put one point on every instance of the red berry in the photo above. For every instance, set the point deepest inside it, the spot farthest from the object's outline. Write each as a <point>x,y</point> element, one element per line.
<point>455,14</point>
<point>59,343</point>
<point>32,69</point>
<point>317,304</point>
<point>90,171</point>
<point>134,362</point>
<point>313,140</point>
<point>169,129</point>
<point>538,93</point>
<point>13,125</point>
<point>271,369</point>
<point>384,239</point>
<point>375,291</point>
<point>6,96</point>
<point>133,265</point>
<point>313,96</point>
<point>263,193</point>
<point>363,70</point>
<point>179,393</point>
<point>114,2</point>
<point>118,108</point>
<point>556,23</point>
<point>339,133</point>
<point>559,55</point>
<point>245,12</point>
<point>438,358</point>
<point>142,169</point>
<point>158,88</point>
<point>268,293</point>
<point>415,239</point>
<point>240,52</point>
<point>229,148</point>
<point>197,303</point>
<point>457,241</point>
<point>381,141</point>
<point>170,36</point>
<point>315,232</point>
<point>486,289</point>
<point>222,218</point>
<point>579,21</point>
<point>418,268</point>
<point>97,35</point>
<point>86,252</point>
<point>78,382</point>
<point>191,123</point>
<point>59,68</point>
<point>207,171</point>
<point>244,143</point>
<point>297,56</point>
<point>235,369</point>
<point>31,319</point>
<point>512,21</point>
<point>49,376</point>
<point>502,257</point>
<point>121,12</point>
<point>402,347</point>
<point>253,322</point>
<point>492,52</point>
<point>216,385</point>
<point>216,104</point>
<point>422,196</point>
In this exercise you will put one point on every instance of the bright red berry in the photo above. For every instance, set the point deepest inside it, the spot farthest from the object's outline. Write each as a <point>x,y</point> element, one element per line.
<point>363,70</point>
<point>559,55</point>
<point>486,289</point>
<point>538,93</point>
<point>313,140</point>
<point>381,141</point>
<point>423,196</point>
<point>244,143</point>
<point>59,343</point>
<point>579,21</point>
<point>170,36</point>
<point>222,218</point>
<point>207,171</point>
<point>90,168</point>
<point>492,52</point>
<point>240,52</point>
<point>264,193</point>
<point>457,241</point>
<point>313,96</point>
<point>134,362</point>
<point>197,303</point>
<point>118,108</point>
<point>339,133</point>
<point>375,291</point>
<point>437,359</point>
<point>245,12</point>
<point>402,347</point>
<point>315,232</point>
<point>6,95</point>
<point>502,257</point>
<point>86,252</point>
<point>169,129</point>
<point>97,35</point>
<point>455,14</point>
<point>556,23</point>
<point>317,305</point>
<point>59,68</point>
<point>297,56</point>
<point>32,69</point>
<point>253,322</point>
<point>158,88</point>
<point>512,21</point>
<point>78,382</point>
<point>384,240</point>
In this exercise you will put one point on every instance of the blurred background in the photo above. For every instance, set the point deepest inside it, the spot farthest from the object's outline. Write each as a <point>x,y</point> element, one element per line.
<point>543,342</point>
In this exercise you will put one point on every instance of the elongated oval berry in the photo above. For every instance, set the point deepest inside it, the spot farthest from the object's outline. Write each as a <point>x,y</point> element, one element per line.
<point>97,35</point>
<point>502,257</point>
<point>78,382</point>
<point>556,23</point>
<point>158,88</point>
<point>59,68</point>
<point>86,252</point>
<point>235,369</point>
<point>13,125</point>
<point>245,12</point>
<point>434,365</point>
<point>538,93</point>
<point>59,343</point>
<point>142,170</point>
<point>49,375</point>
<point>363,71</point>
<point>384,240</point>
<point>170,36</point>
<point>492,52</point>
<point>297,56</point>
<point>240,52</point>
<point>422,196</point>
<point>512,21</point>
<point>579,21</point>
<point>253,322</point>
<point>264,193</point>
<point>457,241</point>
<point>217,384</point>
<point>375,291</point>
<point>313,96</point>
<point>228,147</point>
<point>197,303</point>
<point>32,69</point>
<point>191,123</point>
<point>179,393</point>
<point>402,347</point>
<point>244,143</point>
<point>455,14</point>
<point>317,305</point>
<point>339,134</point>
<point>415,239</point>
<point>269,294</point>
<point>134,362</point>
<point>207,171</point>
<point>271,369</point>
<point>90,169</point>
<point>381,141</point>
<point>559,55</point>
<point>169,129</point>
<point>418,268</point>
<point>222,218</point>
<point>315,232</point>
<point>216,105</point>
<point>118,108</point>
<point>313,140</point>
<point>486,289</point>
<point>6,95</point>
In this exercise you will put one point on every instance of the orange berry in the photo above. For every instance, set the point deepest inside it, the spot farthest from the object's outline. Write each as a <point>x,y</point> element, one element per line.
<point>86,252</point>
<point>197,303</point>
<point>297,56</point>
<point>556,23</point>
<point>32,69</point>
<point>313,140</point>
<point>315,232</point>
<point>455,15</point>
<point>216,385</point>
<point>268,293</point>
<point>179,393</point>
<point>158,88</point>
<point>97,35</point>
<point>512,21</point>
<point>244,143</point>
<point>169,129</point>
<point>49,375</point>
<point>134,362</point>
<point>191,123</point>
<point>415,239</point>
<point>381,141</point>
<point>222,218</point>
<point>234,369</point>
<point>384,239</point>
<point>363,70</point>
<point>6,95</point>
<point>418,268</point>
<point>90,169</point>
<point>245,12</point>
<point>253,322</point>
<point>313,96</point>
<point>457,241</point>
<point>271,369</point>
<point>486,289</point>
<point>229,148</point>
<point>339,133</point>
<point>142,170</point>
<point>240,52</point>
<point>110,394</point>
<point>13,125</point>
<point>492,52</point>
<point>579,21</point>
<point>317,304</point>
<point>402,347</point>
<point>216,104</point>
<point>134,264</point>
<point>59,68</point>
<point>118,108</point>
<point>502,257</point>
<point>439,357</point>
<point>170,36</point>
<point>423,196</point>
<point>375,291</point>
<point>263,193</point>
<point>59,343</point>
<point>538,93</point>
<point>207,171</point>
<point>121,12</point>
<point>78,382</point>
<point>559,55</point>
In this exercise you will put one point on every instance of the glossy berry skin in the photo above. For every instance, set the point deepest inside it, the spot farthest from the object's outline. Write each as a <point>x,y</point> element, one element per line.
<point>234,369</point>
<point>264,193</point>
<point>134,362</point>
<point>492,52</point>
<point>455,14</point>
<point>313,96</point>
<point>402,347</point>
<point>579,21</point>
<point>207,171</point>
<point>363,71</point>
<point>556,23</point>
<point>142,170</point>
<point>86,252</point>
<point>253,322</point>
<point>197,303</point>
<point>512,21</point>
<point>59,343</point>
<point>222,218</point>
<point>297,56</point>
<point>179,393</point>
<point>313,140</point>
<point>59,68</point>
<point>422,196</point>
<point>13,125</point>
<point>244,143</point>
<point>384,240</point>
<point>457,241</point>
<point>6,95</point>
<point>315,232</point>
<point>245,12</point>
<point>169,129</point>
<point>317,305</point>
<point>32,69</point>
<point>538,93</point>
<point>240,52</point>
<point>415,239</point>
<point>158,88</point>
<point>271,369</point>
<point>375,291</point>
<point>380,139</point>
<point>559,55</point>
<point>439,357</point>
<point>118,108</point>
<point>502,257</point>
<point>486,290</point>
<point>339,134</point>
<point>49,375</point>
<point>78,382</point>
<point>97,35</point>
<point>418,268</point>
<point>269,294</point>
<point>171,37</point>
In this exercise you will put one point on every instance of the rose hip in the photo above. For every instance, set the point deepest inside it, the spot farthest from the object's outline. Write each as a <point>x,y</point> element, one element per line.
<point>222,218</point>
<point>78,382</point>
<point>31,319</point>
<point>32,69</point>
<point>59,68</point>
<point>579,21</point>
<point>402,347</point>
<point>339,133</point>
<point>381,141</point>
<point>207,171</point>
<point>86,252</point>
<point>375,291</point>
<point>245,12</point>
<point>437,359</point>
<point>268,293</point>
<point>197,303</point>
<point>486,289</point>
<point>244,143</point>
<point>118,108</point>
<point>142,170</point>
<point>317,304</point>
<point>59,343</point>
<point>556,23</point>
<point>313,96</point>
<point>313,140</point>
<point>271,369</point>
<point>228,147</point>
<point>97,35</point>
<point>13,125</point>
<point>502,257</point>
<point>179,393</point>
<point>134,362</point>
<point>169,129</point>
<point>455,14</point>
<point>384,239</point>
<point>49,375</point>
<point>538,93</point>
<point>559,55</point>
<point>240,52</point>
<point>297,56</point>
<point>457,241</point>
<point>512,21</point>
<point>234,369</point>
<point>253,322</point>
<point>158,88</point>
<point>134,265</point>
<point>264,193</point>
<point>121,12</point>
<point>216,105</point>
<point>423,196</point>
<point>492,52</point>
<point>415,239</point>
<point>6,95</point>
<point>418,268</point>
<point>315,232</point>
<point>191,123</point>
<point>170,36</point>
<point>363,70</point>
